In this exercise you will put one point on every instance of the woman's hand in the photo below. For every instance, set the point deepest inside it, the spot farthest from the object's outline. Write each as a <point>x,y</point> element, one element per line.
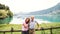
<point>25,25</point>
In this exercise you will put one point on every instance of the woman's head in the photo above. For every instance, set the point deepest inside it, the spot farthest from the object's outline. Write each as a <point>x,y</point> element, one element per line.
<point>27,20</point>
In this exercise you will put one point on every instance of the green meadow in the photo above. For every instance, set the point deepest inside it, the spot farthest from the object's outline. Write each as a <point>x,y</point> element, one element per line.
<point>19,27</point>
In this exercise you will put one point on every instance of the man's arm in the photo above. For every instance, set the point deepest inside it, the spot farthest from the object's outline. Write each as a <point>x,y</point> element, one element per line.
<point>37,25</point>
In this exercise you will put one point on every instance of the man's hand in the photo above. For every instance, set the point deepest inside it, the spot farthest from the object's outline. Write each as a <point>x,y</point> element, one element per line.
<point>38,28</point>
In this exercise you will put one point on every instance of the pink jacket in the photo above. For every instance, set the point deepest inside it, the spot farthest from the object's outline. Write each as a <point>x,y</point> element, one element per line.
<point>24,27</point>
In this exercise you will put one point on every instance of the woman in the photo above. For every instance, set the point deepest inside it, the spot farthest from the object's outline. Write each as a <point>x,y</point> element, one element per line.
<point>25,26</point>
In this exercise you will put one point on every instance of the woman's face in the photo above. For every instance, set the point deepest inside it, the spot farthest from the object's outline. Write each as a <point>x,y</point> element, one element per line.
<point>27,20</point>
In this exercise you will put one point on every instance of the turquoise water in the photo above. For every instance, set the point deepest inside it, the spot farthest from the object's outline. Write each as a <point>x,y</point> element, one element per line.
<point>55,18</point>
<point>49,18</point>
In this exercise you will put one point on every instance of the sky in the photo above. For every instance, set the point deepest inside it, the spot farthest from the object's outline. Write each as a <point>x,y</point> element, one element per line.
<point>26,6</point>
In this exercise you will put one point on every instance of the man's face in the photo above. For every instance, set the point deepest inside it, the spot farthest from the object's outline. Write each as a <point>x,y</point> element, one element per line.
<point>32,18</point>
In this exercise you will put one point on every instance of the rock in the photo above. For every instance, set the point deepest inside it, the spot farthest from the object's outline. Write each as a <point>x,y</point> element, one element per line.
<point>5,14</point>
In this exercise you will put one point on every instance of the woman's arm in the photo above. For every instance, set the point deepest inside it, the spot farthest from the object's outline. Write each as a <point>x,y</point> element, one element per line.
<point>25,25</point>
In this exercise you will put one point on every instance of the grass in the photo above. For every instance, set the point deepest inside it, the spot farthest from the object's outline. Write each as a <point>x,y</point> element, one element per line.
<point>19,27</point>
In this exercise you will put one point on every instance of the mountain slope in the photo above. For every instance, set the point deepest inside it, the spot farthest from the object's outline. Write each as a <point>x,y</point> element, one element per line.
<point>46,11</point>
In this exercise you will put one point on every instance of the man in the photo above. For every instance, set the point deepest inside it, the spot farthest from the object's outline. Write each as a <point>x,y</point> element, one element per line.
<point>32,25</point>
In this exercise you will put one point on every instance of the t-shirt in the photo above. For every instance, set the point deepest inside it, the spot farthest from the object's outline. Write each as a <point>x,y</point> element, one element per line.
<point>24,28</point>
<point>32,24</point>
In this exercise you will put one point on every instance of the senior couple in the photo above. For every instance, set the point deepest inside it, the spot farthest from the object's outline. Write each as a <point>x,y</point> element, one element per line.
<point>28,27</point>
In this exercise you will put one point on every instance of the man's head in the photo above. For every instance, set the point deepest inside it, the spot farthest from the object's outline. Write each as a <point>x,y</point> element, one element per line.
<point>32,18</point>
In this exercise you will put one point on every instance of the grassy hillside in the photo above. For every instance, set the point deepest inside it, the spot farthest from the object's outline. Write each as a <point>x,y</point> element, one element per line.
<point>19,27</point>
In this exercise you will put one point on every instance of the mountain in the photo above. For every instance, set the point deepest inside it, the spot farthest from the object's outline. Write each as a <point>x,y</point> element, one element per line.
<point>53,11</point>
<point>51,14</point>
<point>47,11</point>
